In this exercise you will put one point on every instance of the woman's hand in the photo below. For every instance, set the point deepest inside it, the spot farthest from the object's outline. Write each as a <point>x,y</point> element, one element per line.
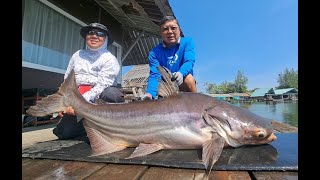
<point>69,110</point>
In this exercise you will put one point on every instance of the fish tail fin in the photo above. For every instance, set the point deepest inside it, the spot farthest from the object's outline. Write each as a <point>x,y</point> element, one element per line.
<point>48,105</point>
<point>56,102</point>
<point>166,86</point>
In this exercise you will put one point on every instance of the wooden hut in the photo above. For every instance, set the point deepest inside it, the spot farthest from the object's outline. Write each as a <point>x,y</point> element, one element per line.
<point>284,94</point>
<point>262,94</point>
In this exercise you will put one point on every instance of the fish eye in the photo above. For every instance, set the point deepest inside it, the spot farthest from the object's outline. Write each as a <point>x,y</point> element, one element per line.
<point>260,135</point>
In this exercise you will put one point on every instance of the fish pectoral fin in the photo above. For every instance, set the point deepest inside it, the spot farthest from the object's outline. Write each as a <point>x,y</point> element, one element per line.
<point>217,124</point>
<point>211,151</point>
<point>211,113</point>
<point>145,149</point>
<point>100,145</point>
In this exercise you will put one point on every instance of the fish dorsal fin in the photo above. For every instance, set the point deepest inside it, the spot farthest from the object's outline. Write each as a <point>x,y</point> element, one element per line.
<point>166,86</point>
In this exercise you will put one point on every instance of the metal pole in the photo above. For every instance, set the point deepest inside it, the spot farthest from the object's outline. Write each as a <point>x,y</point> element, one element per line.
<point>132,45</point>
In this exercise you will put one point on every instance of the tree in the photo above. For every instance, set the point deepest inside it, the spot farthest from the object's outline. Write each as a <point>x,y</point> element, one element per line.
<point>227,87</point>
<point>288,79</point>
<point>239,85</point>
<point>211,88</point>
<point>240,82</point>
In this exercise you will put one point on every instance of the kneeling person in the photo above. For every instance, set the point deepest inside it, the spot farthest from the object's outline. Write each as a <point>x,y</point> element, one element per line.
<point>96,70</point>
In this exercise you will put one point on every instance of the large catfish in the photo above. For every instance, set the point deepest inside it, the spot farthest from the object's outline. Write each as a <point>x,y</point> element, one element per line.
<point>180,120</point>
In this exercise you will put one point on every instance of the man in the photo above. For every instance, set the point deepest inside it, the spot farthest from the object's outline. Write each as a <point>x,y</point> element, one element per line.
<point>176,53</point>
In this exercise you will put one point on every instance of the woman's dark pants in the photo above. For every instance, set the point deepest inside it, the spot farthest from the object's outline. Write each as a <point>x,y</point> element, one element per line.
<point>69,128</point>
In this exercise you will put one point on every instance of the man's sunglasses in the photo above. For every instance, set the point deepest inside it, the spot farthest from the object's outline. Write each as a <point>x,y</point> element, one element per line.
<point>98,33</point>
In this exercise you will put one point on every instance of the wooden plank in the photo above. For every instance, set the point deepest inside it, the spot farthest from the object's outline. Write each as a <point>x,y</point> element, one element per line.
<point>26,161</point>
<point>119,172</point>
<point>200,175</point>
<point>73,170</point>
<point>38,167</point>
<point>275,175</point>
<point>169,173</point>
<point>49,121</point>
<point>226,175</point>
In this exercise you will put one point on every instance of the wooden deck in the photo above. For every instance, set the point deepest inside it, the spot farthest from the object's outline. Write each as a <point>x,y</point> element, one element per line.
<point>58,169</point>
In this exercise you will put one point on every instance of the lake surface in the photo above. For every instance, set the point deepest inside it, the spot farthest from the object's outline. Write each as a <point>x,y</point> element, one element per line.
<point>281,111</point>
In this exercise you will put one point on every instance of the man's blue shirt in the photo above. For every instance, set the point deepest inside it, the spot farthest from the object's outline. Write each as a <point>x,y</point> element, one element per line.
<point>180,57</point>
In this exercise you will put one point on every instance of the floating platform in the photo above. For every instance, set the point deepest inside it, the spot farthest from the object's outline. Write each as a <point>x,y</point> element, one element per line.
<point>72,161</point>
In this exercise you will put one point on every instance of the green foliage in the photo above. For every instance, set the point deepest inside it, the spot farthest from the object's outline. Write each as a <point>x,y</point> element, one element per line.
<point>211,88</point>
<point>239,85</point>
<point>288,79</point>
<point>240,82</point>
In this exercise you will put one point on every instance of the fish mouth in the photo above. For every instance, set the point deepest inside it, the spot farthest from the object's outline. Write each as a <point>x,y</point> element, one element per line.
<point>268,140</point>
<point>272,137</point>
<point>236,139</point>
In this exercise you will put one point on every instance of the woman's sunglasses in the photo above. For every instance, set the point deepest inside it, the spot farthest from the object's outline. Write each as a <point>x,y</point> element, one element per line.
<point>98,33</point>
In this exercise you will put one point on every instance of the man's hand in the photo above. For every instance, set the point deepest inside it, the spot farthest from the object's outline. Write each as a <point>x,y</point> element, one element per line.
<point>146,96</point>
<point>178,77</point>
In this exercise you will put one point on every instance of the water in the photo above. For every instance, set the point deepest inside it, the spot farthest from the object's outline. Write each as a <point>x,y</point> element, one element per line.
<point>281,111</point>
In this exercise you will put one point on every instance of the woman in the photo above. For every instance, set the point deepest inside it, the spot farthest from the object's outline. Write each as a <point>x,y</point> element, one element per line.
<point>95,70</point>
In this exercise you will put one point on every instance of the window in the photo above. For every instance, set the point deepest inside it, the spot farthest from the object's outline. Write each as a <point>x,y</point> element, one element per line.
<point>49,38</point>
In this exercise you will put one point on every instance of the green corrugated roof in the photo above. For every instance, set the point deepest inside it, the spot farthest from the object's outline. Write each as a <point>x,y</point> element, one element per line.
<point>261,92</point>
<point>283,91</point>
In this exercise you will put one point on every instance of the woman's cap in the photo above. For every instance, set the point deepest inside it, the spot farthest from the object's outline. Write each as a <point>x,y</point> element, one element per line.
<point>84,30</point>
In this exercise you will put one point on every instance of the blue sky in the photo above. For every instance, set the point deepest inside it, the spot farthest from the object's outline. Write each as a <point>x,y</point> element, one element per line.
<point>258,37</point>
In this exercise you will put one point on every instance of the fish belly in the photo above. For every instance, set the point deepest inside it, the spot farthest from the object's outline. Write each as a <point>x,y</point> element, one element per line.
<point>174,131</point>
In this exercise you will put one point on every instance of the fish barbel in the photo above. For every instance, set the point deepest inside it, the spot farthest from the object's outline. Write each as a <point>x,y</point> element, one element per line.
<point>180,120</point>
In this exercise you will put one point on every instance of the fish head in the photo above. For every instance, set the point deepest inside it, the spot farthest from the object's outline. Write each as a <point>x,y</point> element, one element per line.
<point>239,126</point>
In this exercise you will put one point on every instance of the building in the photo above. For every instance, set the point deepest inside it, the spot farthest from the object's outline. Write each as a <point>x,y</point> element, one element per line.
<point>270,94</point>
<point>226,97</point>
<point>284,94</point>
<point>50,35</point>
<point>135,81</point>
<point>137,76</point>
<point>260,94</point>
<point>240,96</point>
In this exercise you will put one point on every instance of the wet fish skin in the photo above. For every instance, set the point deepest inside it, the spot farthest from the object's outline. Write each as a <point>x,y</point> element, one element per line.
<point>179,121</point>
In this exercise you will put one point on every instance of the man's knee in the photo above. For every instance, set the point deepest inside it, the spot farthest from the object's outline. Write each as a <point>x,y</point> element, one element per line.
<point>189,84</point>
<point>112,95</point>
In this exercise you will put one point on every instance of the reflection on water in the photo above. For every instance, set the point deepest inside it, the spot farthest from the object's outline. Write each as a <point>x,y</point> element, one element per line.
<point>253,155</point>
<point>282,111</point>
